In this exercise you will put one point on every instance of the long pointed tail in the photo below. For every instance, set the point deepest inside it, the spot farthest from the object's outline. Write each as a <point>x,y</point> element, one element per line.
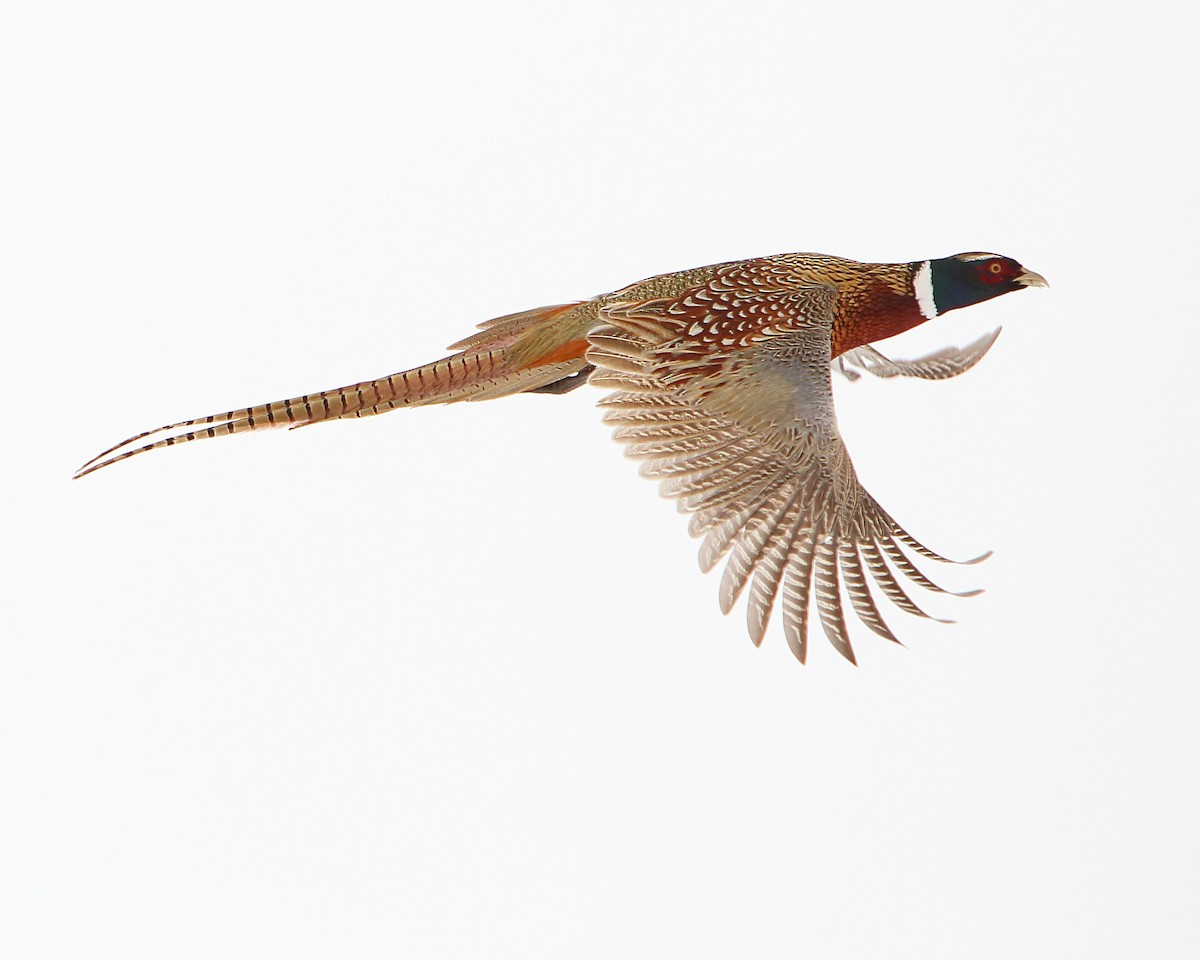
<point>533,350</point>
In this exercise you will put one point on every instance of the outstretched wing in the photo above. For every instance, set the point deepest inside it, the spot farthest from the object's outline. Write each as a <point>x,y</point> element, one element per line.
<point>724,394</point>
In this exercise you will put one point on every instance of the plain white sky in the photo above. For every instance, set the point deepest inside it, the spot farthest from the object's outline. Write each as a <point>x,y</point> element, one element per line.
<point>447,682</point>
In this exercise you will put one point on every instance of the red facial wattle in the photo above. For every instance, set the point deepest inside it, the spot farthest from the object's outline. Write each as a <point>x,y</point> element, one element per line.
<point>996,271</point>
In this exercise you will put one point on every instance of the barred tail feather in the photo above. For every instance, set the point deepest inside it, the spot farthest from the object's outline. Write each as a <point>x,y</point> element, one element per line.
<point>494,366</point>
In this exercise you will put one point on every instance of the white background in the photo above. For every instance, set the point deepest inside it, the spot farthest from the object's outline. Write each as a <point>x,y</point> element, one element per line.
<point>447,683</point>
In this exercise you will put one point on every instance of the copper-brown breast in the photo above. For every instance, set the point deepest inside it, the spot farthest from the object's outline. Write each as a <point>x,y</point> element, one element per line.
<point>877,304</point>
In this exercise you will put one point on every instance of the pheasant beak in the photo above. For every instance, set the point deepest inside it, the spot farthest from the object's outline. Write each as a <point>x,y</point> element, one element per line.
<point>1027,278</point>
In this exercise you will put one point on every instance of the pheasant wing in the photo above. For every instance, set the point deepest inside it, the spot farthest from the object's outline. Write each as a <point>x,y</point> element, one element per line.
<point>940,365</point>
<point>724,395</point>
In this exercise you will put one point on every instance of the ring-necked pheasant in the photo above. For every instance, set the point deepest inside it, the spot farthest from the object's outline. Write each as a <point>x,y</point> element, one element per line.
<point>721,387</point>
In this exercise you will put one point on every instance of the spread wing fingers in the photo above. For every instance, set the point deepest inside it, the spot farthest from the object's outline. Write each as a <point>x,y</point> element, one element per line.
<point>723,393</point>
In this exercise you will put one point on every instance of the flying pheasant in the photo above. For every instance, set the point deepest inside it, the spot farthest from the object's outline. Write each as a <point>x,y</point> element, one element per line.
<point>721,387</point>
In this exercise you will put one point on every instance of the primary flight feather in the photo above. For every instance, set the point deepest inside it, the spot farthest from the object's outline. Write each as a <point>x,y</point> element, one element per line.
<point>720,380</point>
